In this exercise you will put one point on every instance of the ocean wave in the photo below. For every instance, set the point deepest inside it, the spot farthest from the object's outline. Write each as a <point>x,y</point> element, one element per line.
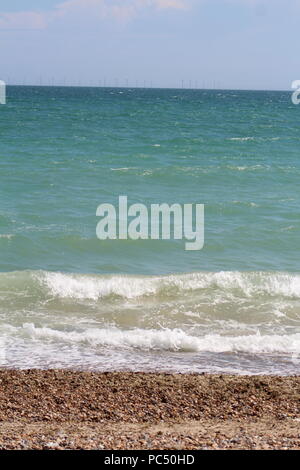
<point>248,284</point>
<point>168,340</point>
<point>241,139</point>
<point>259,139</point>
<point>247,167</point>
<point>94,287</point>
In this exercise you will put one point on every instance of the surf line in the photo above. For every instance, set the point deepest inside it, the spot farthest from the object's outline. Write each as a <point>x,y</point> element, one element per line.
<point>160,222</point>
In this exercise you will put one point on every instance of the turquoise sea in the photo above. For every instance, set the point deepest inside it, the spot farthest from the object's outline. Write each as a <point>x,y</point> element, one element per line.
<point>70,300</point>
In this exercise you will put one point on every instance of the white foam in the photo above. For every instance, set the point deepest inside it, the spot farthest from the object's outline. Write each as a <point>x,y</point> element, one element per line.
<point>3,351</point>
<point>242,139</point>
<point>89,287</point>
<point>241,284</point>
<point>247,168</point>
<point>170,340</point>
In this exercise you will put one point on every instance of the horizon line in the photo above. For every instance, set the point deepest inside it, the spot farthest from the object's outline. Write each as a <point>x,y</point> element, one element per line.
<point>146,87</point>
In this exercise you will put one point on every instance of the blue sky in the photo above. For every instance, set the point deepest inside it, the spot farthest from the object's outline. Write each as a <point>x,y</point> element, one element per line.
<point>250,44</point>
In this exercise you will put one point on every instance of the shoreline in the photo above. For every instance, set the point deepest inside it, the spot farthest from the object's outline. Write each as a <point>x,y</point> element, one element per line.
<point>63,409</point>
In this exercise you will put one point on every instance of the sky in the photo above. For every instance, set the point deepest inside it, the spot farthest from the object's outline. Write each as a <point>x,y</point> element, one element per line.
<point>235,44</point>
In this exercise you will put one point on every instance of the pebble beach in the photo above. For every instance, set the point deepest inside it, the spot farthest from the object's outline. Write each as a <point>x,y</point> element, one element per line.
<point>60,409</point>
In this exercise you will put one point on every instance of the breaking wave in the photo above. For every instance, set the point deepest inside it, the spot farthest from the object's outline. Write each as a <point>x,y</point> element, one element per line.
<point>78,286</point>
<point>65,319</point>
<point>168,340</point>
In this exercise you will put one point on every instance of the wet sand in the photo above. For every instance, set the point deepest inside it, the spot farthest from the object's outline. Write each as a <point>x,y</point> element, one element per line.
<point>82,410</point>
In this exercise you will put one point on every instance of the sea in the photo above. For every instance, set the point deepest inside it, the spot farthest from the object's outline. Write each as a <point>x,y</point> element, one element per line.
<point>70,300</point>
